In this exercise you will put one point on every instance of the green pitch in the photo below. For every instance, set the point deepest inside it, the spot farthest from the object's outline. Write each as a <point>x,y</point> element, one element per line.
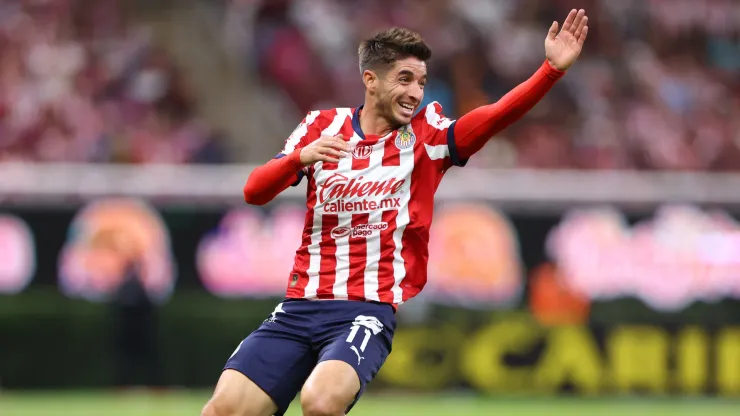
<point>183,403</point>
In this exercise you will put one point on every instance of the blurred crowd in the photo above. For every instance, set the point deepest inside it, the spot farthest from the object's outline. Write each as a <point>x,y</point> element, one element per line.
<point>657,87</point>
<point>80,83</point>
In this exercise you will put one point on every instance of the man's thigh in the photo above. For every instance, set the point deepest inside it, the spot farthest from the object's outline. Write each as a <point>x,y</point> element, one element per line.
<point>277,357</point>
<point>362,340</point>
<point>236,394</point>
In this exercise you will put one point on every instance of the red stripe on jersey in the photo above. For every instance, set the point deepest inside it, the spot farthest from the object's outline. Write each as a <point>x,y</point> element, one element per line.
<point>328,251</point>
<point>386,275</point>
<point>361,156</point>
<point>358,257</point>
<point>391,152</point>
<point>322,122</point>
<point>363,151</point>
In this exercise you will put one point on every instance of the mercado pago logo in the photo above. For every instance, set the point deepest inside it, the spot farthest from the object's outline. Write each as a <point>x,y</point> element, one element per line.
<point>359,231</point>
<point>338,193</point>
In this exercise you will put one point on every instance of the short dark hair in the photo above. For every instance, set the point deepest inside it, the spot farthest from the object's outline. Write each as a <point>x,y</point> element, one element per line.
<point>387,47</point>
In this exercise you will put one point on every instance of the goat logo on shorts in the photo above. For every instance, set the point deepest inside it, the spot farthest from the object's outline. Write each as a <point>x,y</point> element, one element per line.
<point>370,322</point>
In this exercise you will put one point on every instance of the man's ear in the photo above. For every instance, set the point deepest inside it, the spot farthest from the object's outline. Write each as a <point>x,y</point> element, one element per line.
<point>370,79</point>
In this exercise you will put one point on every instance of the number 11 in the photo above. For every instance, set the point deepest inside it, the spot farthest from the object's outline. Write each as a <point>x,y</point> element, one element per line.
<point>352,334</point>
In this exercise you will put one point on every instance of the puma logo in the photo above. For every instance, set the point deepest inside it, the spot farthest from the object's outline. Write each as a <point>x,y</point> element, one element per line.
<point>359,357</point>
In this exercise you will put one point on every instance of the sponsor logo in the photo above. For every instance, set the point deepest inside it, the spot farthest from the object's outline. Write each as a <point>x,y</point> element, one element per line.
<point>340,232</point>
<point>405,138</point>
<point>362,152</point>
<point>337,189</point>
<point>363,206</point>
<point>339,186</point>
<point>359,231</point>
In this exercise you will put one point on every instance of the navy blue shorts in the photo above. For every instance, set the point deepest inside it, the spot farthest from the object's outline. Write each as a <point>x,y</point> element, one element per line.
<point>280,355</point>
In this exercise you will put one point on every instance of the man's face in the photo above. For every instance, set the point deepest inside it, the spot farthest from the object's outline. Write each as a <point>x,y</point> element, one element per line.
<point>401,90</point>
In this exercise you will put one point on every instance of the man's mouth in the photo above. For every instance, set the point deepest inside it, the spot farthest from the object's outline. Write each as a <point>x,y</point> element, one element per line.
<point>406,109</point>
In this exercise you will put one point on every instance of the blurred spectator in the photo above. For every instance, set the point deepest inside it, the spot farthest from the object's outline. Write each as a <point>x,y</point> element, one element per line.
<point>77,84</point>
<point>656,87</point>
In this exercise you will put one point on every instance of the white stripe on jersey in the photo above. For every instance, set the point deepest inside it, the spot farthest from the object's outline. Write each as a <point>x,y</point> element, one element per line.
<point>314,253</point>
<point>345,220</point>
<point>437,152</point>
<point>314,265</point>
<point>341,274</point>
<point>402,171</point>
<point>434,119</point>
<point>373,258</point>
<point>299,132</point>
<point>374,242</point>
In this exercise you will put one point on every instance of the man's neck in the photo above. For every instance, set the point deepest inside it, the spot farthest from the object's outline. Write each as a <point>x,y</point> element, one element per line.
<point>372,123</point>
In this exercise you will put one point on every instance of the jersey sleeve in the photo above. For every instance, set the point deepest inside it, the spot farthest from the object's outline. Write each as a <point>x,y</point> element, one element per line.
<point>301,137</point>
<point>439,135</point>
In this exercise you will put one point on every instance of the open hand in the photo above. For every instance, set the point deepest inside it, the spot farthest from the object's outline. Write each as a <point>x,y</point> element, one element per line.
<point>562,49</point>
<point>325,149</point>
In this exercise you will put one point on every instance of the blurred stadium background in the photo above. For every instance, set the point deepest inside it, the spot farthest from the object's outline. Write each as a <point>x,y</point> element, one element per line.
<point>588,260</point>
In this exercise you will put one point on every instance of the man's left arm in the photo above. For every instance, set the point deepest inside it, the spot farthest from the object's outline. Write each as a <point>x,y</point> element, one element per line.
<point>473,130</point>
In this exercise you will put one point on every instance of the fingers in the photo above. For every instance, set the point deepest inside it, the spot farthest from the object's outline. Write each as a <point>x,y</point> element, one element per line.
<point>567,25</point>
<point>581,24</point>
<point>327,158</point>
<point>336,142</point>
<point>553,32</point>
<point>333,152</point>
<point>328,149</point>
<point>582,37</point>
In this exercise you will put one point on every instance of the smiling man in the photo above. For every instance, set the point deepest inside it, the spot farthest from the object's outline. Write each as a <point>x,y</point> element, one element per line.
<point>372,173</point>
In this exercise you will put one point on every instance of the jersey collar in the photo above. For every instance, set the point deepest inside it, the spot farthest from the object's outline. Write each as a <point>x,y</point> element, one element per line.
<point>356,122</point>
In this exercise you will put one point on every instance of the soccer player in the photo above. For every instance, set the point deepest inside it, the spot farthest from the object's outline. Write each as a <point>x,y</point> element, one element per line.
<point>372,173</point>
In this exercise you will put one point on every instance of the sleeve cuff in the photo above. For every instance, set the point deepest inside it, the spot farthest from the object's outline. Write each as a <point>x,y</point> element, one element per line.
<point>454,155</point>
<point>551,71</point>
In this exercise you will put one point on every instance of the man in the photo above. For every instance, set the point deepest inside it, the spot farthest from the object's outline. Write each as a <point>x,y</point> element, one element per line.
<point>372,174</point>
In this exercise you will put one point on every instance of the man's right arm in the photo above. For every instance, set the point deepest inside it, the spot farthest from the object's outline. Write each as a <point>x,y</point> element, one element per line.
<point>304,147</point>
<point>275,176</point>
<point>267,181</point>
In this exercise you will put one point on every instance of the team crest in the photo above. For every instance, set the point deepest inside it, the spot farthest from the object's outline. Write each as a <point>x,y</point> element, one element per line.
<point>405,138</point>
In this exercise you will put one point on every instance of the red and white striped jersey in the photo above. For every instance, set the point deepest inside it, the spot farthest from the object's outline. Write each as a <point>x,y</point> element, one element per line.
<point>367,226</point>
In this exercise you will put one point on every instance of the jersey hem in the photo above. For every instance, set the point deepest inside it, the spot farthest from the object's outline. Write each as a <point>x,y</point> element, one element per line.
<point>349,298</point>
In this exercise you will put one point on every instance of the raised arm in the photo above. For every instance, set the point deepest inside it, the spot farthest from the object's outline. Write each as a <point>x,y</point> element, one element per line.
<point>474,129</point>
